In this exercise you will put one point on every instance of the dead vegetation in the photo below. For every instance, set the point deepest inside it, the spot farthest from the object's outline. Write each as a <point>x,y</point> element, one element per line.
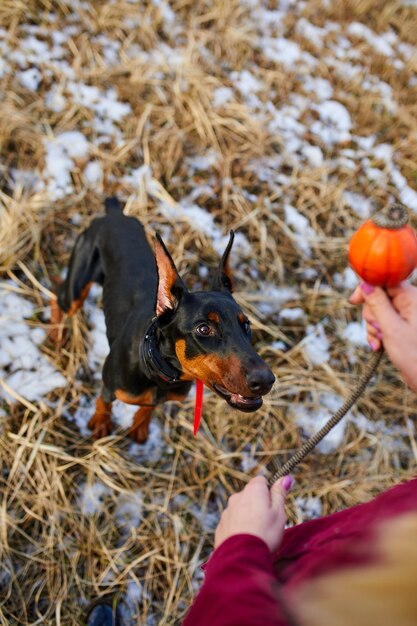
<point>55,558</point>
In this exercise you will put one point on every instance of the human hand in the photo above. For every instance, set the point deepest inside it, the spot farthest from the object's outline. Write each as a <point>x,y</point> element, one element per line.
<point>256,510</point>
<point>391,320</point>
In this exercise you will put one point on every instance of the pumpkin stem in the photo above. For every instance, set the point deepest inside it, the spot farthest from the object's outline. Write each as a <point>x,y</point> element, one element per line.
<point>394,216</point>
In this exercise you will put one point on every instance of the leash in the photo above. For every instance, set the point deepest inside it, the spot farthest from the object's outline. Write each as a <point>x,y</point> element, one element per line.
<point>311,443</point>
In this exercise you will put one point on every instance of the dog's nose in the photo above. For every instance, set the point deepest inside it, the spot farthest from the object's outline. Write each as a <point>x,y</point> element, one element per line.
<point>260,380</point>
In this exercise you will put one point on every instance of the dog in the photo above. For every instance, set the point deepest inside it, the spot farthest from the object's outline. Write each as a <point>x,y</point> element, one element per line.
<point>162,337</point>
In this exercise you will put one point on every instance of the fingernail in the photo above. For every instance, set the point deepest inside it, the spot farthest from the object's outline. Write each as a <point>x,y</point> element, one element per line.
<point>366,288</point>
<point>379,335</point>
<point>376,326</point>
<point>288,482</point>
<point>374,346</point>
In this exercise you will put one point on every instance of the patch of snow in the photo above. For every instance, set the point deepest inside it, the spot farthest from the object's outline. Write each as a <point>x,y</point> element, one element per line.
<point>311,416</point>
<point>362,206</point>
<point>391,437</point>
<point>208,520</point>
<point>313,154</point>
<point>316,345</point>
<point>321,88</point>
<point>286,52</point>
<point>82,415</point>
<point>129,601</point>
<point>380,43</point>
<point>203,221</point>
<point>311,33</point>
<point>301,226</point>
<point>93,173</point>
<point>122,414</point>
<point>30,79</point>
<point>373,84</point>
<point>347,279</point>
<point>60,152</point>
<point>203,162</point>
<point>407,195</point>
<point>97,339</point>
<point>129,511</point>
<point>271,297</point>
<point>334,124</point>
<point>91,497</point>
<point>58,168</point>
<point>291,314</point>
<point>247,461</point>
<point>248,85</point>
<point>153,449</point>
<point>222,95</point>
<point>168,15</point>
<point>74,143</point>
<point>355,333</point>
<point>22,366</point>
<point>308,508</point>
<point>55,99</point>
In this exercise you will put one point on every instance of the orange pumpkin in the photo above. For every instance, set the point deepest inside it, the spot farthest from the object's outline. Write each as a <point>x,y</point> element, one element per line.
<point>383,251</point>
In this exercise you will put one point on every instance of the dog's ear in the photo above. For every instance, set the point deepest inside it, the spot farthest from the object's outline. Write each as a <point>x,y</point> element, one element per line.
<point>223,278</point>
<point>170,285</point>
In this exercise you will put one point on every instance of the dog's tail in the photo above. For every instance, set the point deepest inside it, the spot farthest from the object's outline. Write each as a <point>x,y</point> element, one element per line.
<point>112,204</point>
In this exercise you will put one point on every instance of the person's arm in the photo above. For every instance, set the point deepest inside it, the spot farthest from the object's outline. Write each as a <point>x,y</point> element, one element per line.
<point>240,588</point>
<point>391,321</point>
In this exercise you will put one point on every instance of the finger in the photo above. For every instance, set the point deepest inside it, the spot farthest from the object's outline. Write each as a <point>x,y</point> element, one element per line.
<point>404,287</point>
<point>373,334</point>
<point>372,326</point>
<point>257,485</point>
<point>375,343</point>
<point>357,296</point>
<point>257,481</point>
<point>279,491</point>
<point>380,307</point>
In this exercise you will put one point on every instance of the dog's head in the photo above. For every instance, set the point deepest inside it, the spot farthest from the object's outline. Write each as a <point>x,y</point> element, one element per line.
<point>208,335</point>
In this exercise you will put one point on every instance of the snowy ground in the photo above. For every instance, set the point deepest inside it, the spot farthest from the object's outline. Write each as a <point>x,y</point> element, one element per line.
<point>293,126</point>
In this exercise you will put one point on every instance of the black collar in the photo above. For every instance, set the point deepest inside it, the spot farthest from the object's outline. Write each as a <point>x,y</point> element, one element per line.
<point>153,359</point>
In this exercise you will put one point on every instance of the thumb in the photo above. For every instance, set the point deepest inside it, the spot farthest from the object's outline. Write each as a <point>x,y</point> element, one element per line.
<point>279,491</point>
<point>357,296</point>
<point>380,306</point>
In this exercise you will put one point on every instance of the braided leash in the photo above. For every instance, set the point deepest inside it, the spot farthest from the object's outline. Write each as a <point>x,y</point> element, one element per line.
<point>317,437</point>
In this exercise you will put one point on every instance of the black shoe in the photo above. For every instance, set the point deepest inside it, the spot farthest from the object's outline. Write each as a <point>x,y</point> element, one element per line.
<point>102,612</point>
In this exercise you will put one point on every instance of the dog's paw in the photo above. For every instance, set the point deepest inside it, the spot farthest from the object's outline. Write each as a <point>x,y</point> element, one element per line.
<point>100,425</point>
<point>140,434</point>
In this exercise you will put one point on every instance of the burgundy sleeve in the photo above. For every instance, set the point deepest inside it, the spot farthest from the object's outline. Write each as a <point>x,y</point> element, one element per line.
<point>239,589</point>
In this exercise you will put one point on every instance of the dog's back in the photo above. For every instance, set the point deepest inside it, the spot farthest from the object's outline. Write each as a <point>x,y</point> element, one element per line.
<point>114,252</point>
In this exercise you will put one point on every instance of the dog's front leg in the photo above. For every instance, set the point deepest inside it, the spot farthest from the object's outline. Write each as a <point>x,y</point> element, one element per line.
<point>101,423</point>
<point>146,401</point>
<point>139,431</point>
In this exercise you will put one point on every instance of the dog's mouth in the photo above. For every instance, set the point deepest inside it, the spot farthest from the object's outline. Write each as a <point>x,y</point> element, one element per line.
<point>243,403</point>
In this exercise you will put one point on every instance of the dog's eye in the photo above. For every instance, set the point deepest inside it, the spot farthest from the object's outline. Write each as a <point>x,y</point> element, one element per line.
<point>204,330</point>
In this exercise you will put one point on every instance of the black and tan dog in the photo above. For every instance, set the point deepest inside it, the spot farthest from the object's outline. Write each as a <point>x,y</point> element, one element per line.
<point>161,336</point>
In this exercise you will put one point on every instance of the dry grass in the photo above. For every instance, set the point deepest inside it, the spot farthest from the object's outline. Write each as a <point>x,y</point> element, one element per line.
<point>53,558</point>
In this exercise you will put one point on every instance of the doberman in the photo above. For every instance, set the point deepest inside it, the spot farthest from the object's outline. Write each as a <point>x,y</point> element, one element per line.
<point>162,336</point>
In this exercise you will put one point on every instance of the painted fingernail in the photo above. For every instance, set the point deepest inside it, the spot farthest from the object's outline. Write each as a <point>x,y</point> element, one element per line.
<point>379,335</point>
<point>374,346</point>
<point>288,482</point>
<point>376,326</point>
<point>366,288</point>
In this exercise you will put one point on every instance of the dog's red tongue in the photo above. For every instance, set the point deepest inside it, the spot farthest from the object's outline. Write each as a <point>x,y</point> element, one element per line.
<point>199,390</point>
